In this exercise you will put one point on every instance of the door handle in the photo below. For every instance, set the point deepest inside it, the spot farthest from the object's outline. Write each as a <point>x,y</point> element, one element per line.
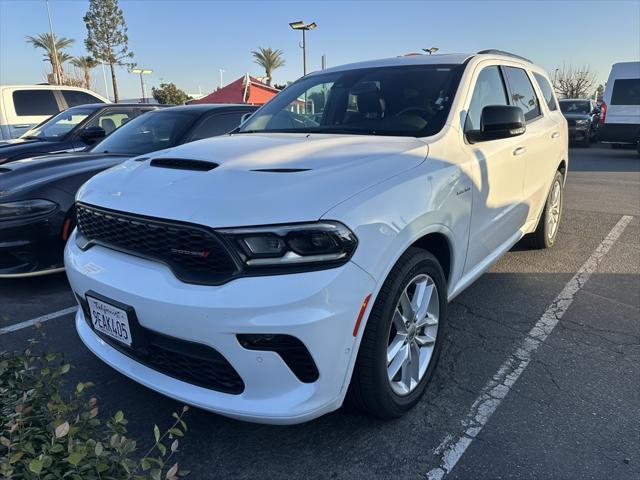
<point>519,151</point>
<point>555,134</point>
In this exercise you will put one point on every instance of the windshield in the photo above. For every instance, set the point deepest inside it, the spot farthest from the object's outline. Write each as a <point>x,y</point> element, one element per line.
<point>58,126</point>
<point>575,106</point>
<point>405,101</point>
<point>147,133</point>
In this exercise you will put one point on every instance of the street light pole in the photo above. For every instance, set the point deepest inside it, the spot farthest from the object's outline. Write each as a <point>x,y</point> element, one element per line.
<point>300,25</point>
<point>141,72</point>
<point>221,71</point>
<point>56,73</point>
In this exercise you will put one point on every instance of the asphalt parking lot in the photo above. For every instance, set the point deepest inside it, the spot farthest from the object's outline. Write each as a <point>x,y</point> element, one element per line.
<point>505,402</point>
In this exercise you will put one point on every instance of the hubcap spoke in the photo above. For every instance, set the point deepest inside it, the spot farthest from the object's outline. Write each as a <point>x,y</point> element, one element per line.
<point>393,349</point>
<point>398,361</point>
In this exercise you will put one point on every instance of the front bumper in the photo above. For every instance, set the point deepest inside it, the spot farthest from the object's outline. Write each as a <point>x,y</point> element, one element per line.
<point>318,308</point>
<point>578,133</point>
<point>619,133</point>
<point>31,246</point>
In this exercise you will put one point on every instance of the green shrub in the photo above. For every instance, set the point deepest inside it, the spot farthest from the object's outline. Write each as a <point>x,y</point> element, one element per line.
<point>48,434</point>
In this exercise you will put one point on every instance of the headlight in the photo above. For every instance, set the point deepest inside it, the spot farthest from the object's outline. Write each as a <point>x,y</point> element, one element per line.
<point>25,208</point>
<point>315,244</point>
<point>582,122</point>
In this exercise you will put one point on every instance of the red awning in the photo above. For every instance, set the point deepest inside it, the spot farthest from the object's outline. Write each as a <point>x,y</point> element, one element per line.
<point>245,89</point>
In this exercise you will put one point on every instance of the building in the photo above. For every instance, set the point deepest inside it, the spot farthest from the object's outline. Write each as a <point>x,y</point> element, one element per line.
<point>245,89</point>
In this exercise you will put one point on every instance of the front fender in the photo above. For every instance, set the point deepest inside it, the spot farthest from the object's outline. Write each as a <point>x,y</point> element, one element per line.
<point>434,197</point>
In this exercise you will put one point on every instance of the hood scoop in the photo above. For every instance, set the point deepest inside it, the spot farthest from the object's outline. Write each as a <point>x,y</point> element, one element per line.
<point>183,164</point>
<point>280,170</point>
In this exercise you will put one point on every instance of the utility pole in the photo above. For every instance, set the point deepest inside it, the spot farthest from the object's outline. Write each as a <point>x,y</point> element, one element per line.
<point>324,61</point>
<point>106,85</point>
<point>221,71</point>
<point>57,68</point>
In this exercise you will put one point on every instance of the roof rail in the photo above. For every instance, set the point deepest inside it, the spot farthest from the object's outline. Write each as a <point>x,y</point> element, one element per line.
<point>506,54</point>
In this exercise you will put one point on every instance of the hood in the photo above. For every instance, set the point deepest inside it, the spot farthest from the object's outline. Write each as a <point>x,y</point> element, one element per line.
<point>259,178</point>
<point>30,173</point>
<point>21,147</point>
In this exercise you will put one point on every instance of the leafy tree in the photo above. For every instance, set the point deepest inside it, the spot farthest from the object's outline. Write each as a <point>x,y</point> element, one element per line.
<point>53,45</point>
<point>107,39</point>
<point>268,59</point>
<point>574,82</point>
<point>85,63</point>
<point>169,94</point>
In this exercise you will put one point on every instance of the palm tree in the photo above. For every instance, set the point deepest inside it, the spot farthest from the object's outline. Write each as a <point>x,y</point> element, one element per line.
<point>53,46</point>
<point>85,63</point>
<point>268,59</point>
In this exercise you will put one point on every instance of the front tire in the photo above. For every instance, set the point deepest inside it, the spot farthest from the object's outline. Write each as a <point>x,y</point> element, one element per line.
<point>403,337</point>
<point>547,230</point>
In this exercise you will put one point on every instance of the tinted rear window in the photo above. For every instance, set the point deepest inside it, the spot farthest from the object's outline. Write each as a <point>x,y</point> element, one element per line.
<point>35,102</point>
<point>626,91</point>
<point>547,91</point>
<point>522,93</point>
<point>73,98</point>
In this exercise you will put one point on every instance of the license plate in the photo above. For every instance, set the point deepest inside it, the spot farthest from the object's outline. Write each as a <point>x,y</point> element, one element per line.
<point>110,320</point>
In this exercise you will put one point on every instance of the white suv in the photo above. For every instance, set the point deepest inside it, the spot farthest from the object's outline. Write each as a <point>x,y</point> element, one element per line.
<point>310,255</point>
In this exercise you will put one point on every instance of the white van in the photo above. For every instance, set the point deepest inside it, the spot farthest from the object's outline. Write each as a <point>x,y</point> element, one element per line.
<point>24,106</point>
<point>620,116</point>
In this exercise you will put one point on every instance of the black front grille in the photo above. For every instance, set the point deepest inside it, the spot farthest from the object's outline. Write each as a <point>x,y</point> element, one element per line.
<point>195,254</point>
<point>186,361</point>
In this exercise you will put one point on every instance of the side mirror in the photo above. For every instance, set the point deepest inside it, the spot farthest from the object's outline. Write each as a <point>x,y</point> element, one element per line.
<point>498,121</point>
<point>245,117</point>
<point>91,135</point>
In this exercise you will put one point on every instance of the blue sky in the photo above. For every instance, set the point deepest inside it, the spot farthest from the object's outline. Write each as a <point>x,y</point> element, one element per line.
<point>186,42</point>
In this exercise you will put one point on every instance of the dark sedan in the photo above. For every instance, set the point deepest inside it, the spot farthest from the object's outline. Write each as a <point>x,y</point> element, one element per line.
<point>75,129</point>
<point>37,195</point>
<point>582,119</point>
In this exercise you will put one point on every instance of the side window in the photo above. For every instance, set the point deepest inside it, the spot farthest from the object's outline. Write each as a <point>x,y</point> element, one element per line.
<point>521,92</point>
<point>626,91</point>
<point>73,98</point>
<point>35,102</point>
<point>215,125</point>
<point>489,90</point>
<point>547,91</point>
<point>111,119</point>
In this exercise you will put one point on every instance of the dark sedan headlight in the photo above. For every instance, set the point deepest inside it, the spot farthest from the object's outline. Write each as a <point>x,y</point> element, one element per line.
<point>26,208</point>
<point>316,244</point>
<point>582,123</point>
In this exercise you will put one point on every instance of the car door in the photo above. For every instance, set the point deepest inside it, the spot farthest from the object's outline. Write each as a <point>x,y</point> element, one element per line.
<point>542,139</point>
<point>497,208</point>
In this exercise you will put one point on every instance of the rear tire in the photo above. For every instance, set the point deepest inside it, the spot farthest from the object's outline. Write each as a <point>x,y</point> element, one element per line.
<point>547,230</point>
<point>374,388</point>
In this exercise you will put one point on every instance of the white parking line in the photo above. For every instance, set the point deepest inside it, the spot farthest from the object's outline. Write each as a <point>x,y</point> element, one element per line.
<point>495,390</point>
<point>42,319</point>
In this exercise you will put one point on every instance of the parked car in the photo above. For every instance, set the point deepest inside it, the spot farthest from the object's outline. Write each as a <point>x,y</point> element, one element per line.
<point>265,274</point>
<point>24,106</point>
<point>582,117</point>
<point>620,117</point>
<point>37,195</point>
<point>73,130</point>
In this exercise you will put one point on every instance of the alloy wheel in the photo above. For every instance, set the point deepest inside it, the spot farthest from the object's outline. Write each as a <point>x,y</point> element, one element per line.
<point>413,333</point>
